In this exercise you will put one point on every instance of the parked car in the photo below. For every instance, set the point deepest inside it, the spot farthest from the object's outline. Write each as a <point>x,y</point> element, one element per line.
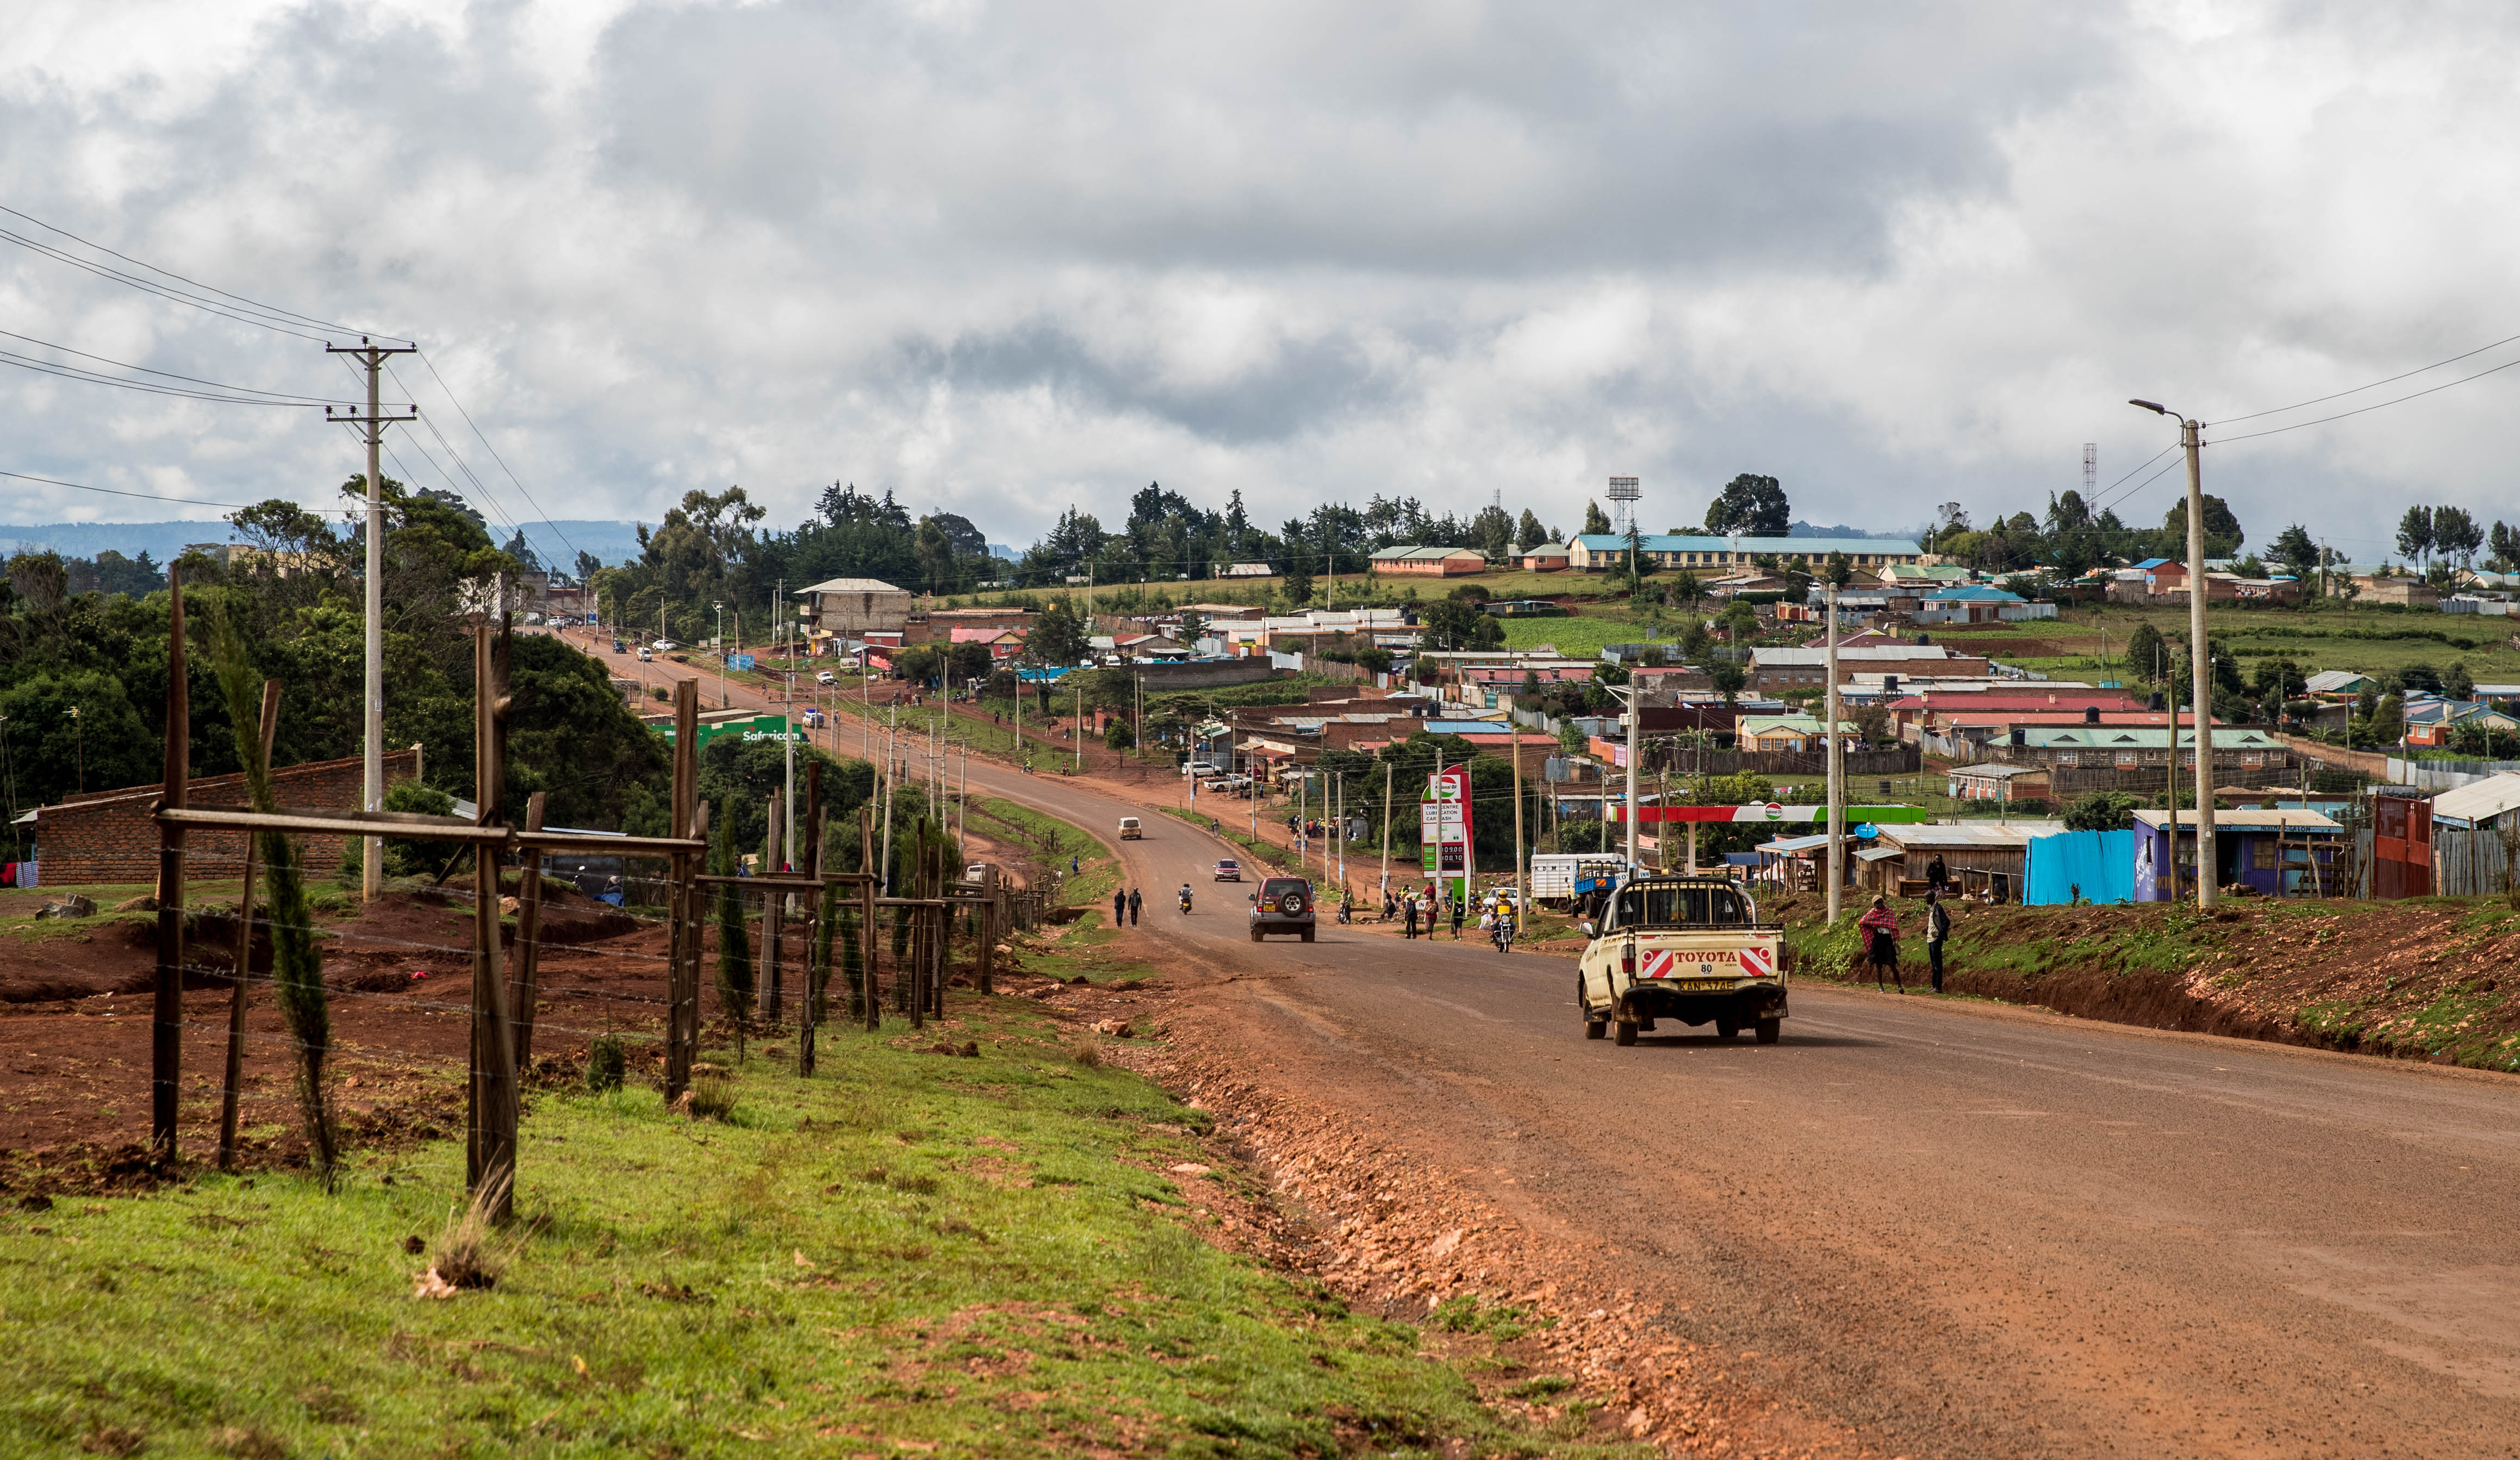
<point>1283,904</point>
<point>1229,870</point>
<point>1202,767</point>
<point>665,646</point>
<point>827,678</point>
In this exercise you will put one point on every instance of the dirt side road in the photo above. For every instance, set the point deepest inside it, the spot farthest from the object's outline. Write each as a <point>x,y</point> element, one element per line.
<point>1951,1229</point>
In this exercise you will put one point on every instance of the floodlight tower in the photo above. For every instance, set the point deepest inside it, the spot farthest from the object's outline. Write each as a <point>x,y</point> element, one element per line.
<point>1623,497</point>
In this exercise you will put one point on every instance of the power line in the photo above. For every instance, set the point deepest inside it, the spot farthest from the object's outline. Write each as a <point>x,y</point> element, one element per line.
<point>2374,385</point>
<point>88,376</point>
<point>432,367</point>
<point>288,397</point>
<point>2364,410</point>
<point>276,313</point>
<point>52,481</point>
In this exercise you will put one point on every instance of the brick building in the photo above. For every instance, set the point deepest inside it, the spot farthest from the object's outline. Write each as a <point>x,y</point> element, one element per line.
<point>109,836</point>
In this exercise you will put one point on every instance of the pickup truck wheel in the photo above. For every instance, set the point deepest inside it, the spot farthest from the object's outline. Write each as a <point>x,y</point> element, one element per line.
<point>1255,935</point>
<point>1594,1028</point>
<point>1626,1034</point>
<point>1308,935</point>
<point>1726,1028</point>
<point>1770,1031</point>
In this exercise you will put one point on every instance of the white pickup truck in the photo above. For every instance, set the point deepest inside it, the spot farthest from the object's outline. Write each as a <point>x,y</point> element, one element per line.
<point>1687,949</point>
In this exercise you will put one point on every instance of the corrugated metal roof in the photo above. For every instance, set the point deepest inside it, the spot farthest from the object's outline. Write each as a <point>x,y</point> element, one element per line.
<point>2479,800</point>
<point>2121,736</point>
<point>1990,836</point>
<point>2249,819</point>
<point>851,586</point>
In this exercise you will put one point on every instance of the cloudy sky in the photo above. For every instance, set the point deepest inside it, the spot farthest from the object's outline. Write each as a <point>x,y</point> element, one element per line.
<point>1002,257</point>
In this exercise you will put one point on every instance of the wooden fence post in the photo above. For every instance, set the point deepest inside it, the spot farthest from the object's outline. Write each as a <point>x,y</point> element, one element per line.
<point>774,923</point>
<point>528,991</point>
<point>872,1011</point>
<point>492,1168</point>
<point>809,1000</point>
<point>167,1029</point>
<point>683,935</point>
<point>233,1077</point>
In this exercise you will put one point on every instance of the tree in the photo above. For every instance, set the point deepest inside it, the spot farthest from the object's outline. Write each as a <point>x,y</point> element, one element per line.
<point>2456,535</point>
<point>1529,534</point>
<point>2148,654</point>
<point>2101,811</point>
<point>1751,506</point>
<point>1839,570</point>
<point>1296,579</point>
<point>1728,678</point>
<point>1737,620</point>
<point>2504,545</point>
<point>2223,533</point>
<point>1057,638</point>
<point>1595,521</point>
<point>1117,736</point>
<point>2296,552</point>
<point>2459,683</point>
<point>2421,678</point>
<point>2415,532</point>
<point>1493,529</point>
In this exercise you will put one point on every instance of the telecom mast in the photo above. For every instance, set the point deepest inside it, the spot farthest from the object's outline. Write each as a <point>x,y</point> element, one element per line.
<point>2091,472</point>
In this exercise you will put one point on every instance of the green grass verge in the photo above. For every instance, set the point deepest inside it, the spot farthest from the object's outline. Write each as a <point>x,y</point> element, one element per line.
<point>907,1253</point>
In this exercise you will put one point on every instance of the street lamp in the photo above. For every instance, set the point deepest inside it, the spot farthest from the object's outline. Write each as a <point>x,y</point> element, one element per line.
<point>78,739</point>
<point>2208,871</point>
<point>721,654</point>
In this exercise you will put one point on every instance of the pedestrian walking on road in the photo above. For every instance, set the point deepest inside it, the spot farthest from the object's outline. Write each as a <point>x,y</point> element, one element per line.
<point>1460,908</point>
<point>1938,931</point>
<point>1408,913</point>
<point>1880,930</point>
<point>1135,902</point>
<point>1120,907</point>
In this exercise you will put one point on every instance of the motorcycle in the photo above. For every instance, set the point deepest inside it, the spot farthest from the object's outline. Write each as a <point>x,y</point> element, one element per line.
<point>1185,900</point>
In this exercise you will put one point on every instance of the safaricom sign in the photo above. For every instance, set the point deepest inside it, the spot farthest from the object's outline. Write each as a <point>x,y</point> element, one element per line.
<point>796,736</point>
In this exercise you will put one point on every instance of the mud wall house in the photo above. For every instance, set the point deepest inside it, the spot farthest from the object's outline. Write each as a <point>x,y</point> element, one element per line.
<point>110,836</point>
<point>856,609</point>
<point>2284,853</point>
<point>2408,593</point>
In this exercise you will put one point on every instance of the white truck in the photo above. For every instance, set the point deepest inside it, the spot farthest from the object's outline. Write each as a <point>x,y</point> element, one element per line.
<point>1686,948</point>
<point>1559,878</point>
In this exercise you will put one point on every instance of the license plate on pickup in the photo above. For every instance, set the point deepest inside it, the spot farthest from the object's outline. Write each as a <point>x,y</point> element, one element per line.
<point>1704,986</point>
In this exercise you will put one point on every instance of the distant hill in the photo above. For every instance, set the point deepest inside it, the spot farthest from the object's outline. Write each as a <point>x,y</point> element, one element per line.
<point>556,544</point>
<point>1813,530</point>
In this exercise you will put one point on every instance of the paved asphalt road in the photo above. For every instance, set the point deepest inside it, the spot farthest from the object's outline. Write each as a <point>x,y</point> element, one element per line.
<point>1973,1230</point>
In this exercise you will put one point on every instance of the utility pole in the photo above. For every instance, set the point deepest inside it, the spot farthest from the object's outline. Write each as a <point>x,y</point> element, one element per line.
<point>788,755</point>
<point>892,735</point>
<point>1388,772</point>
<point>2201,665</point>
<point>1513,737</point>
<point>1836,783</point>
<point>1629,698</point>
<point>372,779</point>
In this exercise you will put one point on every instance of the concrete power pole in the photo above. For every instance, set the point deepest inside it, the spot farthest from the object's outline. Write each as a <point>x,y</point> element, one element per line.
<point>1837,780</point>
<point>1634,716</point>
<point>2207,893</point>
<point>372,782</point>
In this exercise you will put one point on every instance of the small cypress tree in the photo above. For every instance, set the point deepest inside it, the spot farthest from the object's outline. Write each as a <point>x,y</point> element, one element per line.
<point>734,941</point>
<point>297,963</point>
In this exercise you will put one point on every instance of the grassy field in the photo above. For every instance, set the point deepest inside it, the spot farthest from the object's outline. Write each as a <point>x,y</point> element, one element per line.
<point>909,1254</point>
<point>2368,641</point>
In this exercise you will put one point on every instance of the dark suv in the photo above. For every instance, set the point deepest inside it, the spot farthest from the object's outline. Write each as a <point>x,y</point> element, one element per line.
<point>1283,904</point>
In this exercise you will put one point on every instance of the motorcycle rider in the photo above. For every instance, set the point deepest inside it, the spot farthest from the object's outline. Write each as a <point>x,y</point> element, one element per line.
<point>1185,897</point>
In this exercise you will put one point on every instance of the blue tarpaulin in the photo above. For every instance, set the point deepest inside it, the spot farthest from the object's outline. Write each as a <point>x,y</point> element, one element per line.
<point>2099,865</point>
